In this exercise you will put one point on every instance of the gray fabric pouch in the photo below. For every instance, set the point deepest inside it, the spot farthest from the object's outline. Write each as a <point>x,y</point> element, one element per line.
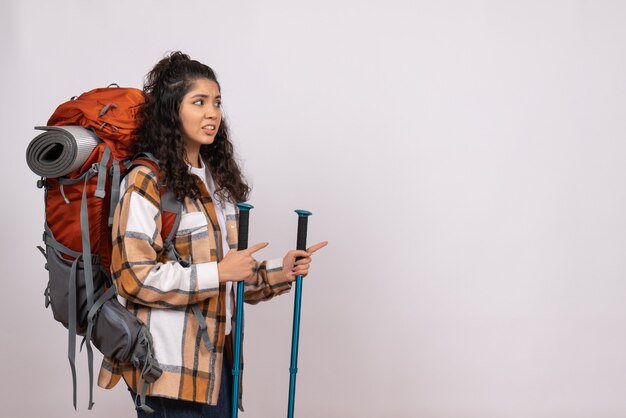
<point>62,273</point>
<point>116,331</point>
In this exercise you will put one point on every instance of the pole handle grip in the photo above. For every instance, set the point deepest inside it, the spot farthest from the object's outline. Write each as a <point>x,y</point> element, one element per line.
<point>303,217</point>
<point>244,219</point>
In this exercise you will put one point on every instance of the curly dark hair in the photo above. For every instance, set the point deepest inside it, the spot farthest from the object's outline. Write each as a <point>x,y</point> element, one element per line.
<point>160,131</point>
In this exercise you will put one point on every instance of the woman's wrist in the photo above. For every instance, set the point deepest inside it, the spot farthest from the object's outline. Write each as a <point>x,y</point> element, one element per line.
<point>222,273</point>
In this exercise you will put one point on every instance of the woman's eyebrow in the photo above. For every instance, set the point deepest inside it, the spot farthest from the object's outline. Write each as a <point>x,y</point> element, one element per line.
<point>205,96</point>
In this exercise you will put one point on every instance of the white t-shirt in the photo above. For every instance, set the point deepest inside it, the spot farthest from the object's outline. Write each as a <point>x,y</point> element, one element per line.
<point>203,173</point>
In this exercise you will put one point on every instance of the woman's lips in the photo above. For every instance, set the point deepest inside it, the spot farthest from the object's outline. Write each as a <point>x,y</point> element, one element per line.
<point>209,129</point>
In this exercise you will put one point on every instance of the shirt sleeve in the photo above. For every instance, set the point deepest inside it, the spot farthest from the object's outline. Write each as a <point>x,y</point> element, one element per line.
<point>138,272</point>
<point>270,281</point>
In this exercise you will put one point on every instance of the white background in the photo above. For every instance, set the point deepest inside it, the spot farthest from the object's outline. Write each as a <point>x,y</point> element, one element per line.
<point>465,159</point>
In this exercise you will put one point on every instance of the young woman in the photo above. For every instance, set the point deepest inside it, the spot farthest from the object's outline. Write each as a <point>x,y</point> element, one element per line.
<point>183,128</point>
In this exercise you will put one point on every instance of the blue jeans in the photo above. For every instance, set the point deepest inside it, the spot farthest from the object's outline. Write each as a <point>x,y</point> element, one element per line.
<point>176,408</point>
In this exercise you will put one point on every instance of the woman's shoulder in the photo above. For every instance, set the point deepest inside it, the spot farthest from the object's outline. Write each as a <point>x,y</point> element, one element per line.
<point>141,172</point>
<point>141,177</point>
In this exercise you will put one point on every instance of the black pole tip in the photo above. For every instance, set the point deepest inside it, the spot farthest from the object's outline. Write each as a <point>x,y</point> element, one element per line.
<point>303,213</point>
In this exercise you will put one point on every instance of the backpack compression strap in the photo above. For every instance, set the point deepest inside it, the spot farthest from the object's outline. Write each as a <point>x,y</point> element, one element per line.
<point>86,257</point>
<point>51,242</point>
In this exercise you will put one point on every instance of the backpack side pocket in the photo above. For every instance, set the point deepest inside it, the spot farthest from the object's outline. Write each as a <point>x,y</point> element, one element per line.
<point>64,273</point>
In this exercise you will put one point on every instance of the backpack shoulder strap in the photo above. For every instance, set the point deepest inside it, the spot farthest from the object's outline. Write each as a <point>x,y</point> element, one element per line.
<point>171,209</point>
<point>171,212</point>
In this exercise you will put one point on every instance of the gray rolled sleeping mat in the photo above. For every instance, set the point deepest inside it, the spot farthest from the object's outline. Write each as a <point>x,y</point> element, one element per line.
<point>59,150</point>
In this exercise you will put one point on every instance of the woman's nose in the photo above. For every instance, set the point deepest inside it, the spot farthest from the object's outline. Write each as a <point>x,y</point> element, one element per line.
<point>211,112</point>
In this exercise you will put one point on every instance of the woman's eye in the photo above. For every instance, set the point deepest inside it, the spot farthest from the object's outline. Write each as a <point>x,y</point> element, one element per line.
<point>218,104</point>
<point>199,102</point>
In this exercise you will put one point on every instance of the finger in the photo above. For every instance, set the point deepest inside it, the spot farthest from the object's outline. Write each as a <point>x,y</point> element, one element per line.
<point>304,260</point>
<point>300,269</point>
<point>316,247</point>
<point>256,247</point>
<point>298,253</point>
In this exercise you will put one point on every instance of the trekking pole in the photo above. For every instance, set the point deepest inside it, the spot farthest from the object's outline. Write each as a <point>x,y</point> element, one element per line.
<point>295,335</point>
<point>242,244</point>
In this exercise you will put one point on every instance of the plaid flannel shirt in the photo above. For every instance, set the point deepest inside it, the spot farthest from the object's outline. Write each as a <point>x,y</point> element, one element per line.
<point>160,291</point>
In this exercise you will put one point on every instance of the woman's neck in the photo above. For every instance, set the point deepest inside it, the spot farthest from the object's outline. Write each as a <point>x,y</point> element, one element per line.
<point>193,157</point>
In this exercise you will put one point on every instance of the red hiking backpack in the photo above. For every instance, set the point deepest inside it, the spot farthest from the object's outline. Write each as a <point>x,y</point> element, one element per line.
<point>79,213</point>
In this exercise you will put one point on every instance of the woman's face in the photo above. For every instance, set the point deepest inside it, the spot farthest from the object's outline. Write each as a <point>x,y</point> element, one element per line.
<point>200,114</point>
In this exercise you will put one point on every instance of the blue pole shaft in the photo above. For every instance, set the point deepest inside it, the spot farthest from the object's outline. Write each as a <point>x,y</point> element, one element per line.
<point>242,244</point>
<point>303,216</point>
<point>295,336</point>
<point>237,353</point>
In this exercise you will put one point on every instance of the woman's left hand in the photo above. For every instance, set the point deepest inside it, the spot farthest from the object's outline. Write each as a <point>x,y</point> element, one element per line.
<point>293,268</point>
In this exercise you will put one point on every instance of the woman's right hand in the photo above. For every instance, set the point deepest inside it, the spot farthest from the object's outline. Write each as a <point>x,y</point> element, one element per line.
<point>239,265</point>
